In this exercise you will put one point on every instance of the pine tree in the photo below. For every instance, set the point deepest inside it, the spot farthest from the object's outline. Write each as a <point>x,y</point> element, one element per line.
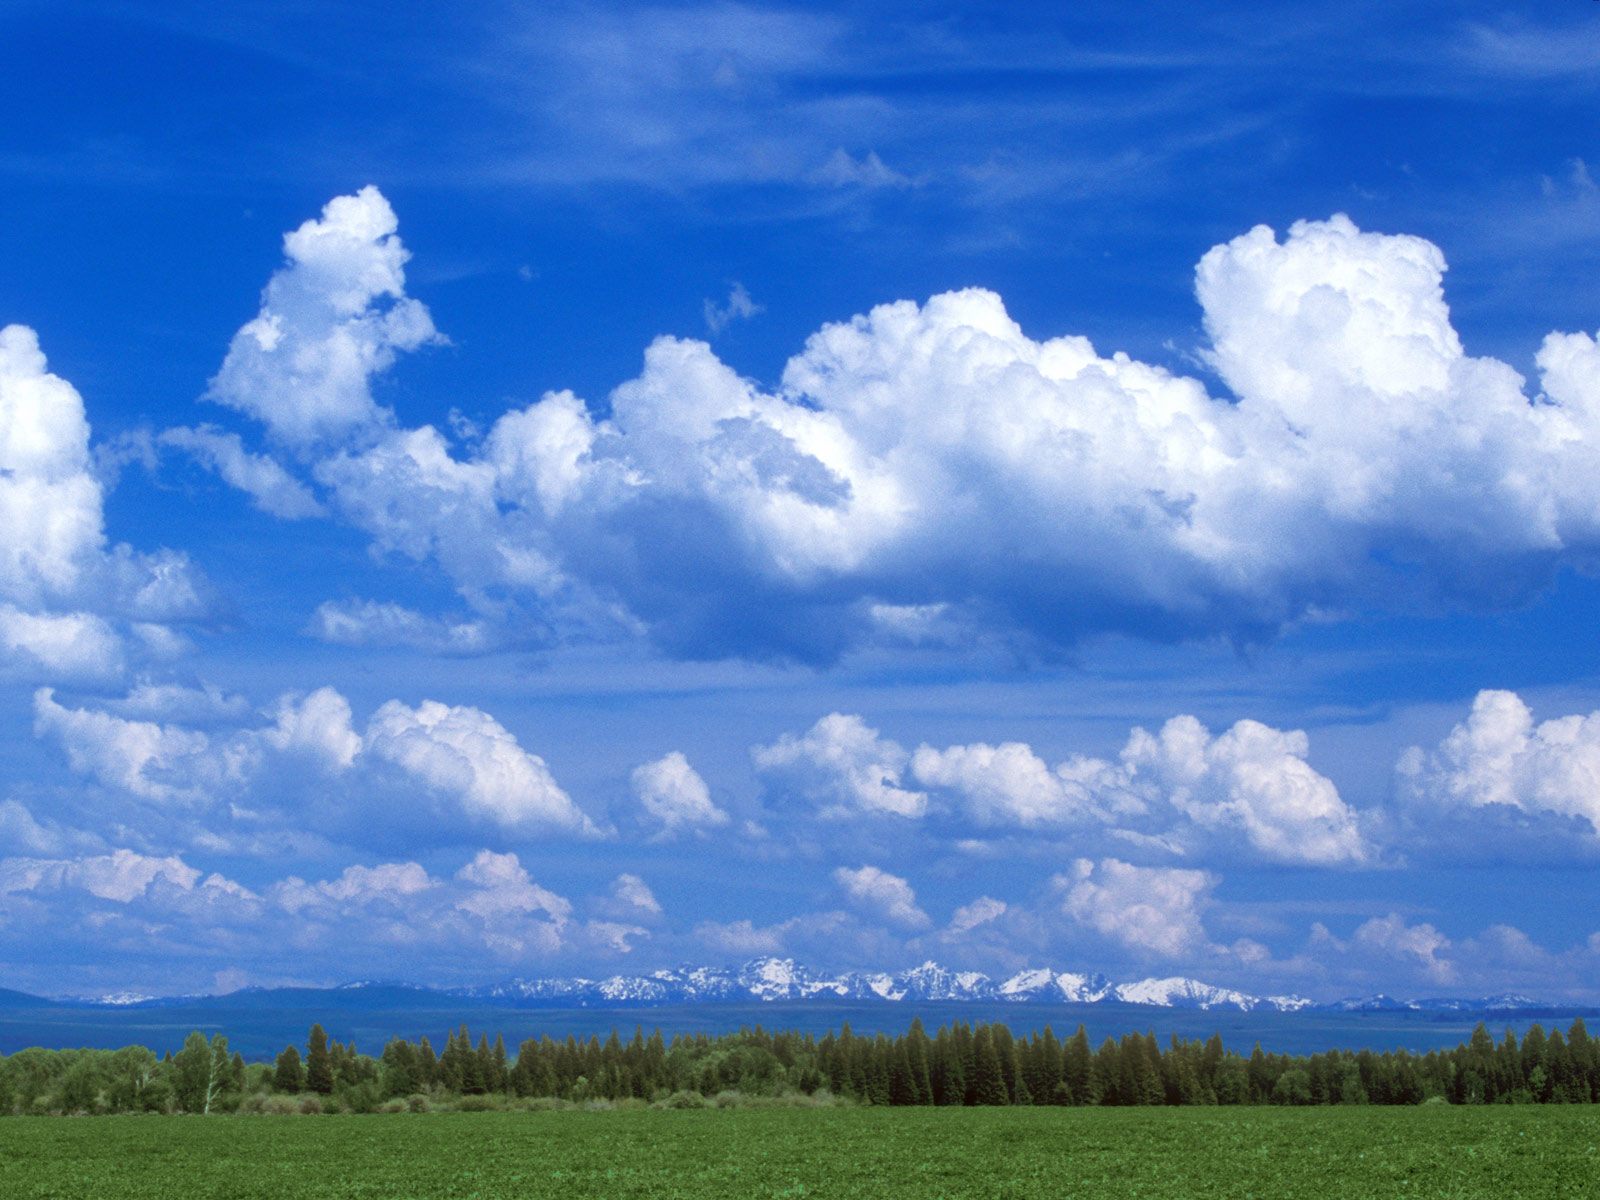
<point>1583,1050</point>
<point>288,1074</point>
<point>989,1082</point>
<point>499,1072</point>
<point>1078,1069</point>
<point>1108,1073</point>
<point>400,1074</point>
<point>901,1090</point>
<point>918,1048</point>
<point>427,1063</point>
<point>319,1063</point>
<point>1047,1078</point>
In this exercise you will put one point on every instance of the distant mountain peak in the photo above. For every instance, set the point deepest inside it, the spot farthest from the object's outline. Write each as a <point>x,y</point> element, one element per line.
<point>773,979</point>
<point>779,980</point>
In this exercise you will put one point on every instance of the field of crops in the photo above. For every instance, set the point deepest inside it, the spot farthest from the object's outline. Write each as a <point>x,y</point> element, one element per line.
<point>879,1153</point>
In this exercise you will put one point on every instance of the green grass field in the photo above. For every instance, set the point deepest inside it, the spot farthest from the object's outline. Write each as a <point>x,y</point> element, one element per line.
<point>922,1153</point>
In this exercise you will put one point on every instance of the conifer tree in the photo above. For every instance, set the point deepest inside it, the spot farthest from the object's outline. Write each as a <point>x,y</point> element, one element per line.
<point>917,1049</point>
<point>1108,1071</point>
<point>1078,1069</point>
<point>1047,1080</point>
<point>989,1083</point>
<point>901,1090</point>
<point>499,1071</point>
<point>1582,1048</point>
<point>319,1063</point>
<point>288,1074</point>
<point>427,1063</point>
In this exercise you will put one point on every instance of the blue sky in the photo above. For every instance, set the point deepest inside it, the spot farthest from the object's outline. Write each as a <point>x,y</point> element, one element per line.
<point>584,488</point>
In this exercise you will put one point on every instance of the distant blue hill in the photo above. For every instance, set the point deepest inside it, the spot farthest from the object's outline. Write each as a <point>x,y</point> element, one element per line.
<point>775,993</point>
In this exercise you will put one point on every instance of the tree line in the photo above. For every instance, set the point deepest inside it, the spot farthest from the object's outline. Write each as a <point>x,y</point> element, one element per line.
<point>959,1065</point>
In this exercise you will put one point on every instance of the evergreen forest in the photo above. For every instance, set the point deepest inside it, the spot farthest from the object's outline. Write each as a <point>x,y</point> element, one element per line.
<point>959,1065</point>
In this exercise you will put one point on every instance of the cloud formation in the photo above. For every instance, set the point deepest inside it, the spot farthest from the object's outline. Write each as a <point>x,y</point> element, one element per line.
<point>1501,771</point>
<point>335,316</point>
<point>459,758</point>
<point>71,604</point>
<point>1248,792</point>
<point>157,919</point>
<point>672,795</point>
<point>882,894</point>
<point>738,307</point>
<point>933,458</point>
<point>841,766</point>
<point>1149,910</point>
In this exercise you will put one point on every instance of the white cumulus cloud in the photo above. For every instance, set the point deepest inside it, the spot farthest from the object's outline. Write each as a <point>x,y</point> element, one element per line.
<point>841,765</point>
<point>673,795</point>
<point>882,894</point>
<point>1500,763</point>
<point>63,587</point>
<point>466,754</point>
<point>332,318</point>
<point>934,458</point>
<point>1151,910</point>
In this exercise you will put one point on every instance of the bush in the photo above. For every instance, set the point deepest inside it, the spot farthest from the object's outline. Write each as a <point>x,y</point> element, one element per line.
<point>310,1106</point>
<point>480,1104</point>
<point>544,1104</point>
<point>360,1097</point>
<point>682,1098</point>
<point>418,1103</point>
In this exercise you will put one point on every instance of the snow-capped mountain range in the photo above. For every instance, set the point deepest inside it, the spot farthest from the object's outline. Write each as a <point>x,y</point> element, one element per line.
<point>782,980</point>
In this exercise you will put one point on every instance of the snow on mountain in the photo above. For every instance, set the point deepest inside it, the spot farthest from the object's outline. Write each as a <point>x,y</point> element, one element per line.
<point>1378,1003</point>
<point>1288,1003</point>
<point>1083,989</point>
<point>122,999</point>
<point>782,980</point>
<point>930,981</point>
<point>1043,984</point>
<point>775,980</point>
<point>1177,992</point>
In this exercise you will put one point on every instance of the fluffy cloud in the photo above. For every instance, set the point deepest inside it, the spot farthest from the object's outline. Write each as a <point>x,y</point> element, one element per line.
<point>465,753</point>
<point>332,318</point>
<point>317,726</point>
<point>394,884</point>
<point>1010,784</point>
<point>63,587</point>
<point>1500,768</point>
<point>459,755</point>
<point>1248,790</point>
<point>121,875</point>
<point>263,479</point>
<point>632,894</point>
<point>882,894</point>
<point>1150,910</point>
<point>980,912</point>
<point>1252,782</point>
<point>935,459</point>
<point>167,923</point>
<point>841,765</point>
<point>673,795</point>
<point>1389,942</point>
<point>156,762</point>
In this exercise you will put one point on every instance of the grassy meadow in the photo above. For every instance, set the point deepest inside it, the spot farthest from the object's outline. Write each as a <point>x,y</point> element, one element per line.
<point>920,1153</point>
